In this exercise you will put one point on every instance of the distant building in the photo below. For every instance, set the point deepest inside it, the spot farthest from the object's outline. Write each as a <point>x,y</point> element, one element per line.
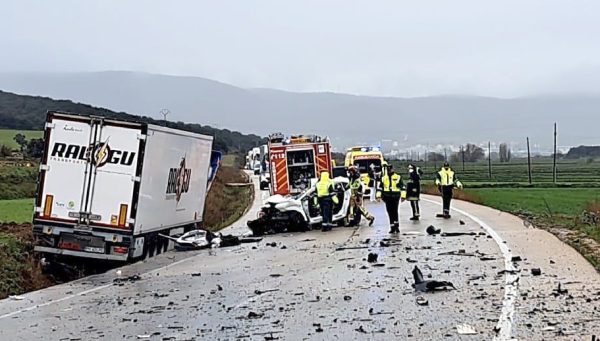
<point>386,146</point>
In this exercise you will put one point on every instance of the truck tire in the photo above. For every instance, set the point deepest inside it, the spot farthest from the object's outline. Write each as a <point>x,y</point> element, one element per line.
<point>166,244</point>
<point>159,245</point>
<point>145,251</point>
<point>151,246</point>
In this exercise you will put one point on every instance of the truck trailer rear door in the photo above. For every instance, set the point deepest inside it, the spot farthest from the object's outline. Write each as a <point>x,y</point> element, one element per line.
<point>89,171</point>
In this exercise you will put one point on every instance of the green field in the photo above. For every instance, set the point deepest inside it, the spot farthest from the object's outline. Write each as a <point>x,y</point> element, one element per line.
<point>7,136</point>
<point>17,182</point>
<point>579,173</point>
<point>19,210</point>
<point>538,201</point>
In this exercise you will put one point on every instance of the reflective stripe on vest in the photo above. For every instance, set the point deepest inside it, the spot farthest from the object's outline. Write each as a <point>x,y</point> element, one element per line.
<point>446,177</point>
<point>395,183</point>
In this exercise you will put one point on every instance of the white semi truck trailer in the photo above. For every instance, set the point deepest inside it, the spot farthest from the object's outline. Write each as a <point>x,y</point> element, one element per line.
<point>107,187</point>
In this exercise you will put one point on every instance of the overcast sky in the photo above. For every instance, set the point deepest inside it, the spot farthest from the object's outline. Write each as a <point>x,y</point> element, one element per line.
<point>397,48</point>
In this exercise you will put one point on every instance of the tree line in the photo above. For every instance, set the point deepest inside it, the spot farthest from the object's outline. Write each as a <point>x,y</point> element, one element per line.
<point>29,113</point>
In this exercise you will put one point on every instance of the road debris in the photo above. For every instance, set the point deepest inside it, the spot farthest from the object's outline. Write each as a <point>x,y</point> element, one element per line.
<point>458,234</point>
<point>465,329</point>
<point>360,329</point>
<point>255,315</point>
<point>16,297</point>
<point>429,285</point>
<point>351,248</point>
<point>422,301</point>
<point>460,252</point>
<point>347,298</point>
<point>121,281</point>
<point>372,257</point>
<point>461,222</point>
<point>260,292</point>
<point>536,271</point>
<point>559,291</point>
<point>431,230</point>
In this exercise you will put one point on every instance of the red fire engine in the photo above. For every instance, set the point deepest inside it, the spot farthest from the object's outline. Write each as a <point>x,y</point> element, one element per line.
<point>296,161</point>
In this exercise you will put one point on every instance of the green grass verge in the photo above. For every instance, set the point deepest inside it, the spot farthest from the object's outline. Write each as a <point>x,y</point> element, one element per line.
<point>18,210</point>
<point>555,209</point>
<point>12,264</point>
<point>538,201</point>
<point>229,160</point>
<point>7,136</point>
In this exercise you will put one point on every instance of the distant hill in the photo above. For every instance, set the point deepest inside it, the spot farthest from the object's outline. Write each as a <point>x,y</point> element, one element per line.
<point>348,119</point>
<point>28,113</point>
<point>583,152</point>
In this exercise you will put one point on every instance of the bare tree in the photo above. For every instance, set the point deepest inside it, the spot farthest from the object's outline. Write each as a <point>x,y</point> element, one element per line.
<point>433,156</point>
<point>473,153</point>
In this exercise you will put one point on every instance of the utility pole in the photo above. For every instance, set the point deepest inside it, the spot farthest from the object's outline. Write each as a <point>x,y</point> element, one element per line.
<point>165,112</point>
<point>554,165</point>
<point>445,155</point>
<point>462,151</point>
<point>490,159</point>
<point>529,160</point>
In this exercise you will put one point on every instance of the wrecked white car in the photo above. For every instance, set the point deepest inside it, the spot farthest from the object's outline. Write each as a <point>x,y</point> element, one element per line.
<point>299,212</point>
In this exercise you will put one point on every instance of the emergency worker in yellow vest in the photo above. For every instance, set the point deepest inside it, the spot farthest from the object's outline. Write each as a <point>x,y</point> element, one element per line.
<point>446,180</point>
<point>390,191</point>
<point>326,197</point>
<point>356,200</point>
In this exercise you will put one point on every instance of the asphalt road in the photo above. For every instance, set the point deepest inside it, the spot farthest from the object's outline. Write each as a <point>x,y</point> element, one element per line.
<point>319,286</point>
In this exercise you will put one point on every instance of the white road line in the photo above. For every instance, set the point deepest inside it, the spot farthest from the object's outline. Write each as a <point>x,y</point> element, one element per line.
<point>85,292</point>
<point>511,289</point>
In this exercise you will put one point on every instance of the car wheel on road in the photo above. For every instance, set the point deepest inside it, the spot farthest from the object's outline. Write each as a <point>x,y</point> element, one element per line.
<point>297,223</point>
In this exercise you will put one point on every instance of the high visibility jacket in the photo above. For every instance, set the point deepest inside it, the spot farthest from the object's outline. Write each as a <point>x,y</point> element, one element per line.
<point>391,183</point>
<point>356,186</point>
<point>324,188</point>
<point>447,178</point>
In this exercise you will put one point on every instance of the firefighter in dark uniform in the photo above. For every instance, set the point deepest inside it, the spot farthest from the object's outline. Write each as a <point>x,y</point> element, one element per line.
<point>326,197</point>
<point>413,190</point>
<point>390,191</point>
<point>356,200</point>
<point>446,180</point>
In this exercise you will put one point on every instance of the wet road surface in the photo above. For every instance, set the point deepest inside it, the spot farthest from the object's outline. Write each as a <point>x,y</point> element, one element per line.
<point>319,286</point>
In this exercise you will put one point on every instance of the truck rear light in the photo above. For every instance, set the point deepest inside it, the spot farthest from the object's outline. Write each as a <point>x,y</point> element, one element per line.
<point>120,249</point>
<point>122,215</point>
<point>48,205</point>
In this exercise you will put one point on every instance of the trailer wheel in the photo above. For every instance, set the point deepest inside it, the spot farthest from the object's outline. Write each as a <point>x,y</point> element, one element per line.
<point>165,247</point>
<point>159,245</point>
<point>145,251</point>
<point>151,246</point>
